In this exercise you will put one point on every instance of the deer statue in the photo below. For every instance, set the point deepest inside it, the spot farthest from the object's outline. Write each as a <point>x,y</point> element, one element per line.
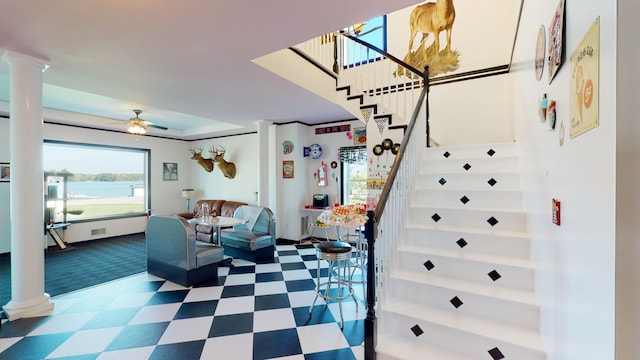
<point>432,18</point>
<point>227,168</point>
<point>207,164</point>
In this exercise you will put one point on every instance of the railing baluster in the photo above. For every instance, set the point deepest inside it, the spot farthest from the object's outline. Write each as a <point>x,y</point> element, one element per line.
<point>378,82</point>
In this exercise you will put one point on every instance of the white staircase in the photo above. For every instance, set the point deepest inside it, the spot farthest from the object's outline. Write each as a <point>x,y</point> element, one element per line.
<point>461,282</point>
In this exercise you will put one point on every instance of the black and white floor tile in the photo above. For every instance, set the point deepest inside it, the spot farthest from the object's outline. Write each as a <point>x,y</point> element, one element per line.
<point>256,311</point>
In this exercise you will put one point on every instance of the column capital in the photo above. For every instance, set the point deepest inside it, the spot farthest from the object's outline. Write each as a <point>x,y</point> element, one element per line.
<point>11,57</point>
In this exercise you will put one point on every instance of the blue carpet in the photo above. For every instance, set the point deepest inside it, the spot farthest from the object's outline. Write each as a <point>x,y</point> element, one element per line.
<point>84,264</point>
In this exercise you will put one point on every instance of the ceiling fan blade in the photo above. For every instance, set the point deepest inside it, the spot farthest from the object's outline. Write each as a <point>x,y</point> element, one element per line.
<point>157,127</point>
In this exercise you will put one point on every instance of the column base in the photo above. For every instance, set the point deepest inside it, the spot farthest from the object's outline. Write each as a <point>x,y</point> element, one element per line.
<point>41,306</point>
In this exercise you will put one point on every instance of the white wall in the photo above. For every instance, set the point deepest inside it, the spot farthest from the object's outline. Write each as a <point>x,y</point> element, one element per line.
<point>293,194</point>
<point>476,111</point>
<point>575,261</point>
<point>241,150</point>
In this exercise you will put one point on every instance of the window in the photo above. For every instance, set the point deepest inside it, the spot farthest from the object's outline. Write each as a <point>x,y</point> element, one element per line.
<point>353,162</point>
<point>373,32</point>
<point>85,181</point>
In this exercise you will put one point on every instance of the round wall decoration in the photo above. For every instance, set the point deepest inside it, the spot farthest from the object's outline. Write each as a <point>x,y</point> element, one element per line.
<point>334,164</point>
<point>387,144</point>
<point>395,149</point>
<point>287,147</point>
<point>540,52</point>
<point>378,150</point>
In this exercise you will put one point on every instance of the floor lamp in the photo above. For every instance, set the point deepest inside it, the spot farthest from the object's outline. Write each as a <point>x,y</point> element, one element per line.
<point>188,194</point>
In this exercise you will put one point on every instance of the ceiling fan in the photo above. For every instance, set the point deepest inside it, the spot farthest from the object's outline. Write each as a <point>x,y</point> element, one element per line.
<point>138,126</point>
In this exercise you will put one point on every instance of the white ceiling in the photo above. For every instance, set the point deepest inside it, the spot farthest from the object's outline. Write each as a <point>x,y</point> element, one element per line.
<point>186,64</point>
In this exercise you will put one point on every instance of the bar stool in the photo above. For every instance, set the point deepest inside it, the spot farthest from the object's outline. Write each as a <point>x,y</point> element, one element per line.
<point>358,259</point>
<point>338,254</point>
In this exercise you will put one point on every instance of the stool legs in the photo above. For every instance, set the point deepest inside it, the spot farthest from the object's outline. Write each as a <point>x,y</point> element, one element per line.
<point>342,278</point>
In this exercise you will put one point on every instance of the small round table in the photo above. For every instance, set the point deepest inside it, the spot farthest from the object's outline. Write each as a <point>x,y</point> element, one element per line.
<point>218,222</point>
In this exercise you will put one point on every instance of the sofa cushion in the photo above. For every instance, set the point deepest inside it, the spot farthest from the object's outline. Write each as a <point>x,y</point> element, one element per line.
<point>208,254</point>
<point>229,208</point>
<point>245,239</point>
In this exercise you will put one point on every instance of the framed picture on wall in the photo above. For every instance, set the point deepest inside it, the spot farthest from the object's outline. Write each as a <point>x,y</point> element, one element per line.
<point>287,169</point>
<point>584,84</point>
<point>556,41</point>
<point>170,171</point>
<point>5,172</point>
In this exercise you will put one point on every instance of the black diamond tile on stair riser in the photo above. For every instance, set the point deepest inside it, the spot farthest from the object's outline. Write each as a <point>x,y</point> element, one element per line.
<point>492,221</point>
<point>436,217</point>
<point>491,152</point>
<point>446,154</point>
<point>494,275</point>
<point>496,354</point>
<point>416,330</point>
<point>464,199</point>
<point>467,166</point>
<point>429,265</point>
<point>462,242</point>
<point>492,182</point>
<point>456,302</point>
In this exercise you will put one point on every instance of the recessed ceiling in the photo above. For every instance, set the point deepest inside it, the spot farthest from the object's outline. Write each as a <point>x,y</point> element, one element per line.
<point>187,64</point>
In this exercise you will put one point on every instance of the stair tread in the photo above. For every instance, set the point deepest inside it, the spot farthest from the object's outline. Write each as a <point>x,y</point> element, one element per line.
<point>421,187</point>
<point>474,230</point>
<point>525,338</point>
<point>397,347</point>
<point>463,230</point>
<point>508,294</point>
<point>469,256</point>
<point>414,206</point>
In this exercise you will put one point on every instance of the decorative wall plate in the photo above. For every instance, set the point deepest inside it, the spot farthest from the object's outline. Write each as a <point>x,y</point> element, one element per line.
<point>287,147</point>
<point>395,149</point>
<point>378,150</point>
<point>540,52</point>
<point>387,144</point>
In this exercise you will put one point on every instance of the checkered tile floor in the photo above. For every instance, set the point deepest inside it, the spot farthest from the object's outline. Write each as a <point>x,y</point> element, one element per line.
<point>261,312</point>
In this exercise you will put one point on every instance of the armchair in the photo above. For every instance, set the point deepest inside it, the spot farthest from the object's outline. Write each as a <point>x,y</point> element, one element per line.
<point>254,240</point>
<point>174,254</point>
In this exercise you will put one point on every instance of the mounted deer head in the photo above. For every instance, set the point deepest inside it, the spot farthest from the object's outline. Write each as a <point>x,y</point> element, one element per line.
<point>207,164</point>
<point>227,168</point>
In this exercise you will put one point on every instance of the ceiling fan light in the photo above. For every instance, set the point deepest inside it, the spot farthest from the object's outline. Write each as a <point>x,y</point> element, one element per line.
<point>137,130</point>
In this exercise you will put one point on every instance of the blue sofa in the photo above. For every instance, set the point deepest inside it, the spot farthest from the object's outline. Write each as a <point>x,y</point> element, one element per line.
<point>174,254</point>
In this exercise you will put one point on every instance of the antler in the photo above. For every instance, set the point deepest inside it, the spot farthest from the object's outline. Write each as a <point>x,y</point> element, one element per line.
<point>219,150</point>
<point>193,151</point>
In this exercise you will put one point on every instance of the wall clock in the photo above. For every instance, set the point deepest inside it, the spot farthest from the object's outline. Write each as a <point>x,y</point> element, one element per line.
<point>315,151</point>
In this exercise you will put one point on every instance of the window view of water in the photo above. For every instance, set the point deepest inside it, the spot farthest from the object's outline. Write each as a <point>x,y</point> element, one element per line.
<point>104,189</point>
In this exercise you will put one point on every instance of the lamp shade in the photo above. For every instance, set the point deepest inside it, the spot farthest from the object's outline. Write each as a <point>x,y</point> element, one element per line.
<point>188,193</point>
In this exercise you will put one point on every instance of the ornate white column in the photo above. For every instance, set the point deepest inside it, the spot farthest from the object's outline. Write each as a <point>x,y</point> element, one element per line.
<point>263,162</point>
<point>27,188</point>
